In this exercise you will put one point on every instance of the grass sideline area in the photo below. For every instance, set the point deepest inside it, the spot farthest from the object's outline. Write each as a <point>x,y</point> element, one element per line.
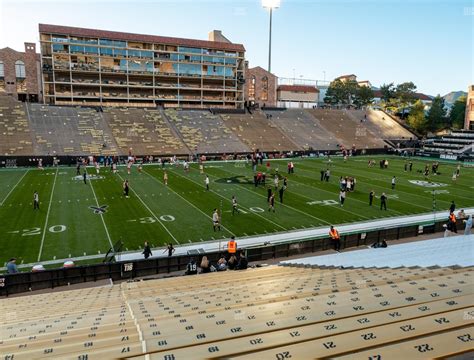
<point>69,224</point>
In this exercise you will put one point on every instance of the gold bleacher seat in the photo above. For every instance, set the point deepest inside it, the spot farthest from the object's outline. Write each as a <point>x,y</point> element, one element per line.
<point>303,312</point>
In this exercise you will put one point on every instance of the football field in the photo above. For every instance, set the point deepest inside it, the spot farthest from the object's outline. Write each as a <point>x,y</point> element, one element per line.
<point>83,220</point>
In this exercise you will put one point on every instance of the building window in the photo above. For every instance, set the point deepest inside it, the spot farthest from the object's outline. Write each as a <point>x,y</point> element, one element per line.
<point>252,88</point>
<point>2,70</point>
<point>264,96</point>
<point>20,69</point>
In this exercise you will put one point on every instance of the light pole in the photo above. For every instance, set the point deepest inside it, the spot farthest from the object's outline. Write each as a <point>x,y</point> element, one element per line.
<point>270,4</point>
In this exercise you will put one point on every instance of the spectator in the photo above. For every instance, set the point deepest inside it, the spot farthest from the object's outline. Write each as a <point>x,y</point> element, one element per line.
<point>68,264</point>
<point>461,215</point>
<point>205,266</point>
<point>243,263</point>
<point>11,266</point>
<point>380,244</point>
<point>222,264</point>
<point>146,250</point>
<point>467,229</point>
<point>191,268</point>
<point>37,268</point>
<point>232,263</point>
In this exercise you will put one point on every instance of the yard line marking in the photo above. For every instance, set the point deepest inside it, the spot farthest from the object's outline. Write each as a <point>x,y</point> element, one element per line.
<point>327,191</point>
<point>101,215</point>
<point>47,216</point>
<point>228,200</point>
<point>151,212</point>
<point>387,177</point>
<point>13,188</point>
<point>194,206</point>
<point>288,206</point>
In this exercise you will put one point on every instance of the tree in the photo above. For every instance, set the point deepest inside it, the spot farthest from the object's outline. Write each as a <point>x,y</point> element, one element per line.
<point>416,120</point>
<point>364,96</point>
<point>405,94</point>
<point>387,92</point>
<point>458,111</point>
<point>341,92</point>
<point>331,96</point>
<point>436,117</point>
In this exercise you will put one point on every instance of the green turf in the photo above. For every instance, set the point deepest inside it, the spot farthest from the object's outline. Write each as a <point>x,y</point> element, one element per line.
<point>181,212</point>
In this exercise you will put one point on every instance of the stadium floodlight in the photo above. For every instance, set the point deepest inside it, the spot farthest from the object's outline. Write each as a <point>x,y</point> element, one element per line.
<point>270,4</point>
<point>273,4</point>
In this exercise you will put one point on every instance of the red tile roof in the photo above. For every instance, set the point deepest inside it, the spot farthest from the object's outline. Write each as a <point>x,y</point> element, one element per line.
<point>115,35</point>
<point>419,96</point>
<point>298,88</point>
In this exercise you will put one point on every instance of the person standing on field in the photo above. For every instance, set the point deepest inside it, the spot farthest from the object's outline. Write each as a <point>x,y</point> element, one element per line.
<point>215,221</point>
<point>165,178</point>
<point>36,201</point>
<point>234,205</point>
<point>393,182</point>
<point>126,188</point>
<point>271,203</point>
<point>383,201</point>
<point>206,182</point>
<point>342,197</point>
<point>371,197</point>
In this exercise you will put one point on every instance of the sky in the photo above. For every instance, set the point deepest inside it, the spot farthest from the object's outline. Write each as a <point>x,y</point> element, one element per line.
<point>429,42</point>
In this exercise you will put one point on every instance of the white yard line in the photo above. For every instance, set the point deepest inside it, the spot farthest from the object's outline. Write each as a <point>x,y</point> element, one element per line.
<point>47,215</point>
<point>152,213</point>
<point>287,206</point>
<point>101,216</point>
<point>13,188</point>
<point>194,206</point>
<point>228,200</point>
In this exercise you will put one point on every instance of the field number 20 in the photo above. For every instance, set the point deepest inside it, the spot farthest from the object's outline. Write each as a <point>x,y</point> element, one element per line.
<point>37,230</point>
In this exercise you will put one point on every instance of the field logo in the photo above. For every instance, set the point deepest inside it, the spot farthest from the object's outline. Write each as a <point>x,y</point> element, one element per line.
<point>99,209</point>
<point>88,177</point>
<point>240,179</point>
<point>427,183</point>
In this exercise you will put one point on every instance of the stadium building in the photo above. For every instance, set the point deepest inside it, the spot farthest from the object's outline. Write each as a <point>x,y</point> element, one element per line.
<point>469,119</point>
<point>298,96</point>
<point>261,87</point>
<point>20,73</point>
<point>96,67</point>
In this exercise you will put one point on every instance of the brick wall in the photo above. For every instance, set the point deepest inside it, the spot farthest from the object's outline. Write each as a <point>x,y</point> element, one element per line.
<point>31,59</point>
<point>259,74</point>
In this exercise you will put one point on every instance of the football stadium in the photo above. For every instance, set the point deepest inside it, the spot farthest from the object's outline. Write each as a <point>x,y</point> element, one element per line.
<point>165,196</point>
